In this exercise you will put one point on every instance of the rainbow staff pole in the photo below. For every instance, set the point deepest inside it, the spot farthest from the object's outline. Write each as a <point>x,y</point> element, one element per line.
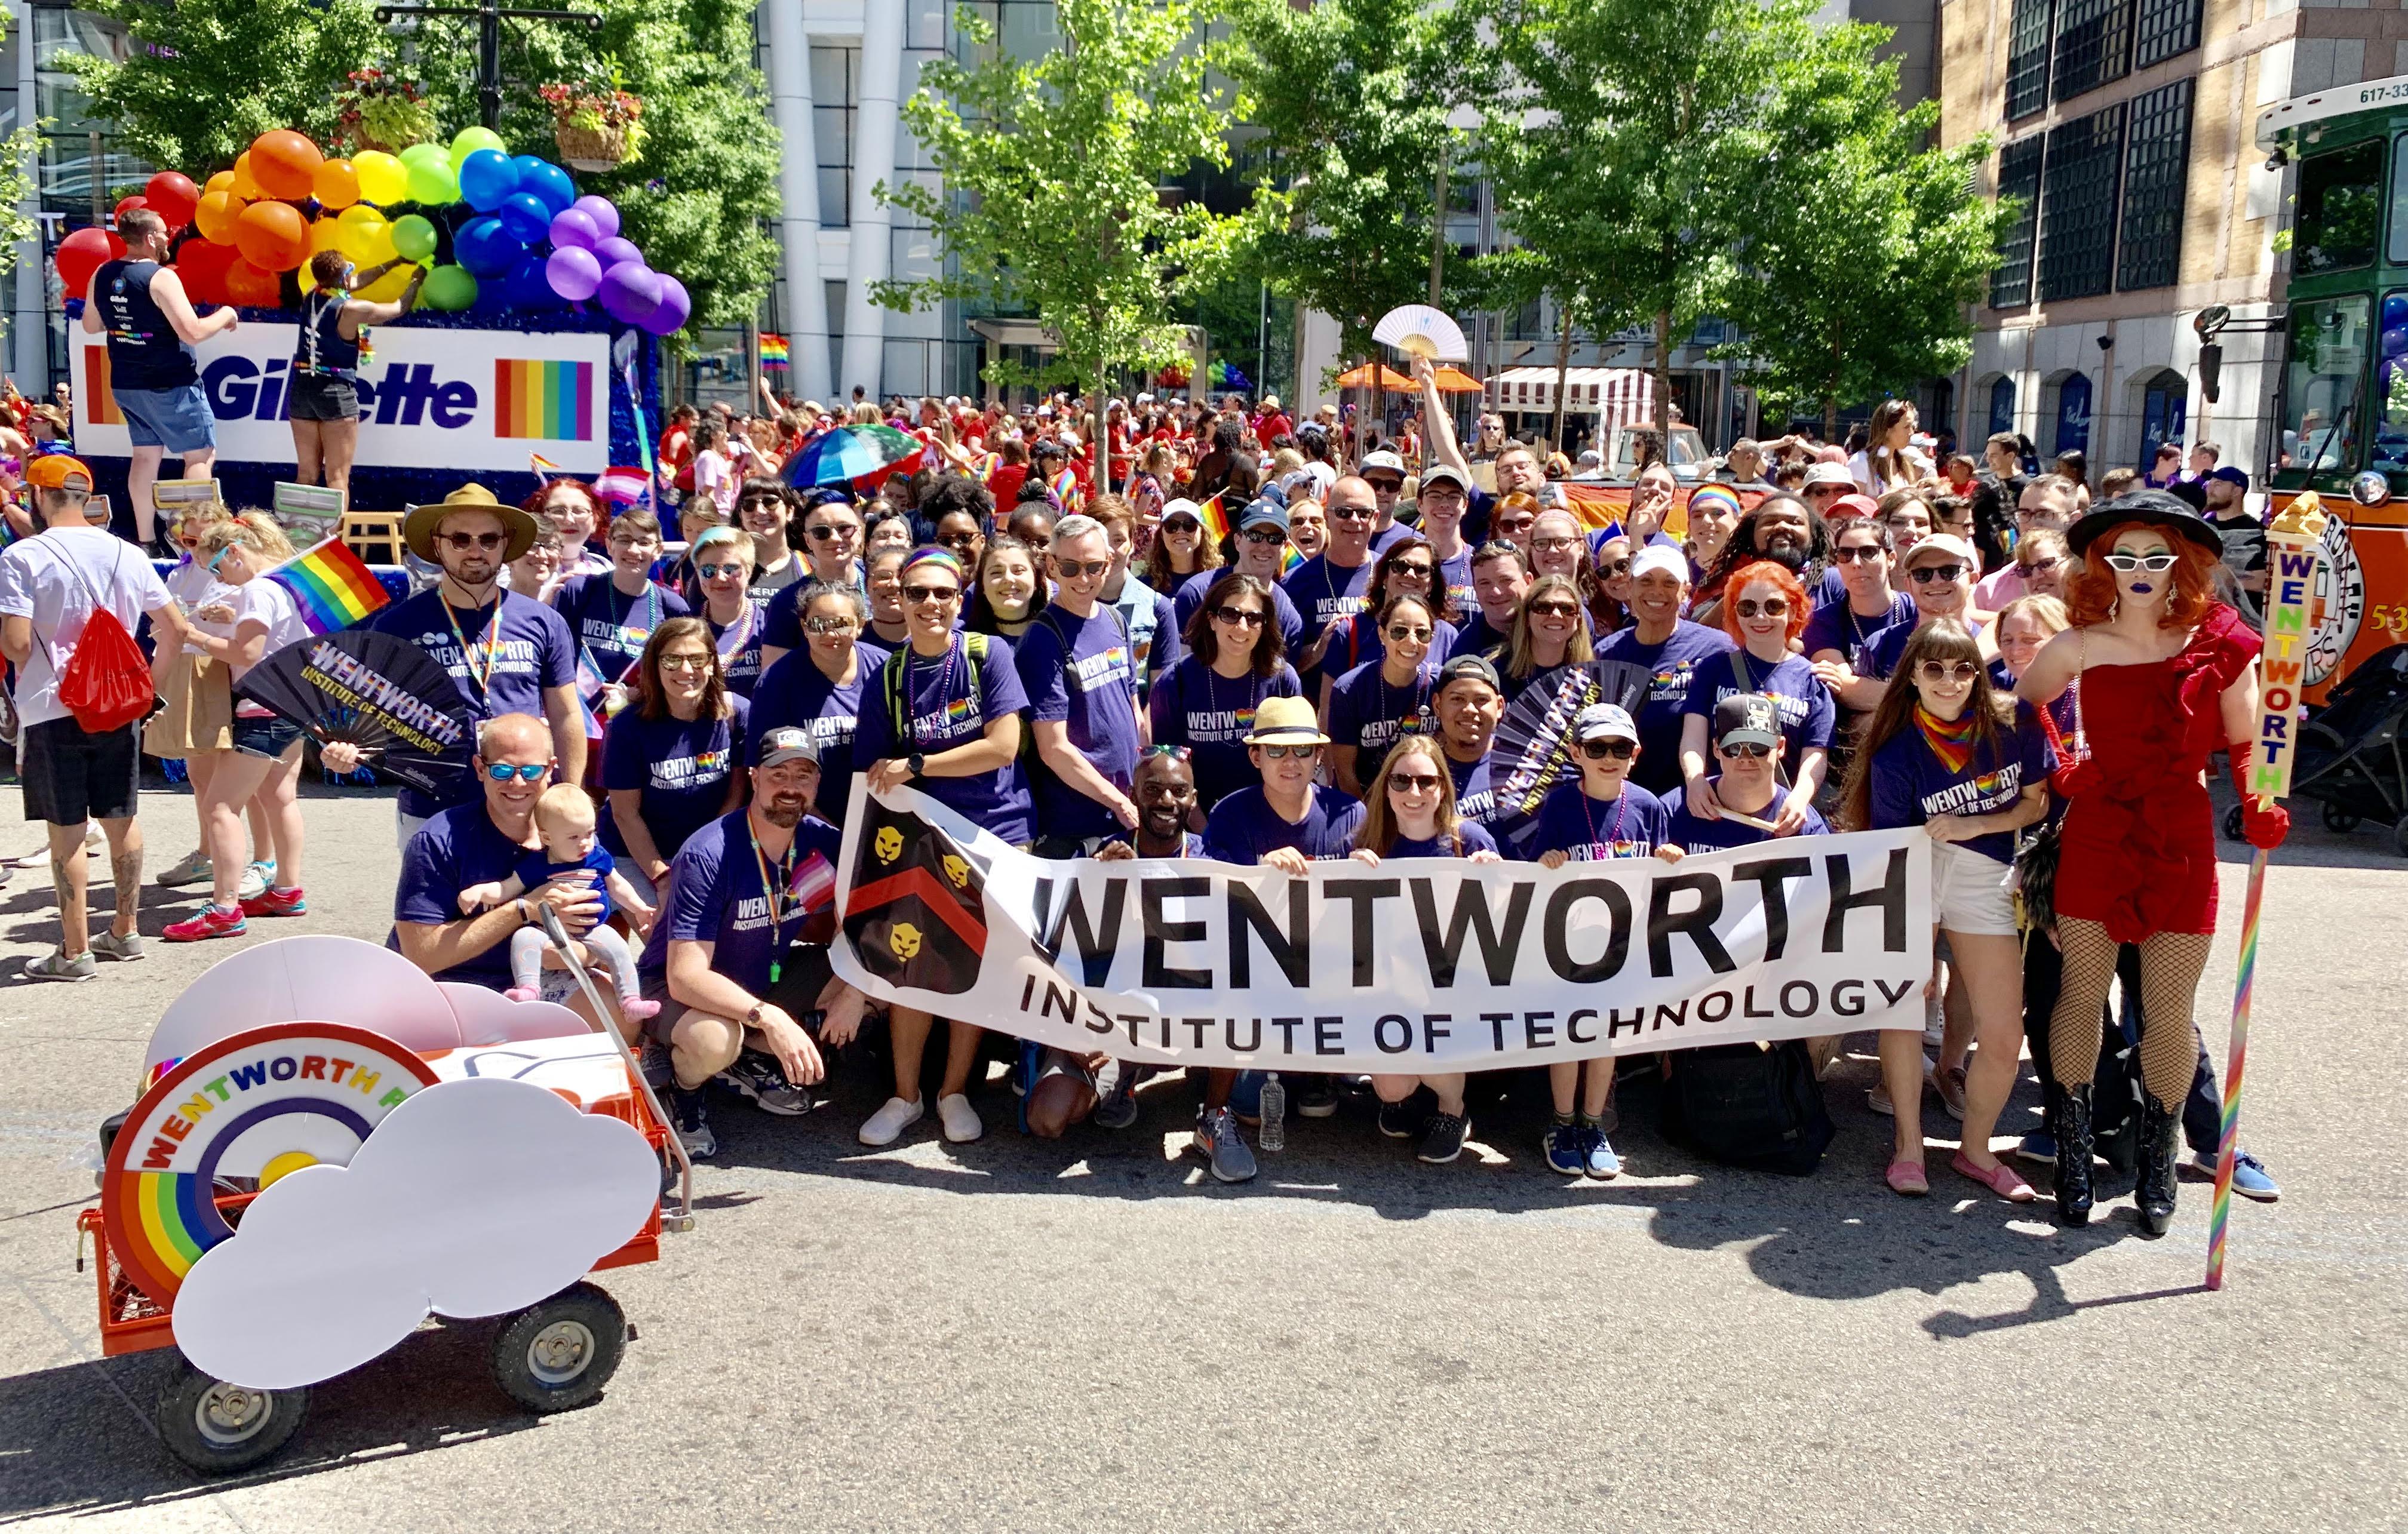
<point>2291,564</point>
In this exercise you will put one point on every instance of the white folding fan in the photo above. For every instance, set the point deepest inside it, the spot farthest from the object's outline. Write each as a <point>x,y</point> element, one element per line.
<point>1421,330</point>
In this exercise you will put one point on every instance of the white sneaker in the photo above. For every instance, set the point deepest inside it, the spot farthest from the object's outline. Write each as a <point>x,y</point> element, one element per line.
<point>194,869</point>
<point>887,1124</point>
<point>256,879</point>
<point>961,1121</point>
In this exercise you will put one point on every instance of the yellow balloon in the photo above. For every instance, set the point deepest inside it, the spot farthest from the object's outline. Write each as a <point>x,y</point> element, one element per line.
<point>358,228</point>
<point>244,187</point>
<point>383,180</point>
<point>385,289</point>
<point>324,234</point>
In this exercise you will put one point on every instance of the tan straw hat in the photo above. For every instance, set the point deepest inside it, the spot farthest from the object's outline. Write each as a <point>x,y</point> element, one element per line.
<point>419,527</point>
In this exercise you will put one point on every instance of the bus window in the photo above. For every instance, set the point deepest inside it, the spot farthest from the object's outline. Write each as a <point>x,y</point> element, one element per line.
<point>2320,385</point>
<point>2390,405</point>
<point>2396,243</point>
<point>2339,200</point>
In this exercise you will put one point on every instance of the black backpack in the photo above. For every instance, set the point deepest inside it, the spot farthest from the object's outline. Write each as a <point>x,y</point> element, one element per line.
<point>1749,1105</point>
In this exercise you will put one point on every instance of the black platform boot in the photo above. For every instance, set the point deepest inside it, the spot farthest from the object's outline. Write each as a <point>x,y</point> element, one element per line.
<point>2070,1110</point>
<point>2155,1196</point>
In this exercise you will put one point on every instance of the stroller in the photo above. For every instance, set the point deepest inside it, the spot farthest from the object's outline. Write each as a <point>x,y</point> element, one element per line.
<point>2351,758</point>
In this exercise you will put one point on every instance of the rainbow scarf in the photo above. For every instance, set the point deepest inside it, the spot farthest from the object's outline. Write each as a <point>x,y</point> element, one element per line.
<point>1950,739</point>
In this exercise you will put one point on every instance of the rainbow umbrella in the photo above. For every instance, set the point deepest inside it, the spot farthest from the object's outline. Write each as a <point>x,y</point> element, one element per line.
<point>849,453</point>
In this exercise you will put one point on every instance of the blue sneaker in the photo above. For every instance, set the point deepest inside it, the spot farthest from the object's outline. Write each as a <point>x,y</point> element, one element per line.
<point>1566,1151</point>
<point>2040,1145</point>
<point>2249,1176</point>
<point>1597,1154</point>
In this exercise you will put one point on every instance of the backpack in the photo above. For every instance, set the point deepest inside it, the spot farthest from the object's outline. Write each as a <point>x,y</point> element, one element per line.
<point>107,683</point>
<point>1749,1105</point>
<point>899,707</point>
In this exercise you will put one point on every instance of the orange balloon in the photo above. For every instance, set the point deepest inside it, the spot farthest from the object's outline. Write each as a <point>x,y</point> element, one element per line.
<point>246,185</point>
<point>273,236</point>
<point>214,216</point>
<point>284,164</point>
<point>247,285</point>
<point>222,182</point>
<point>336,185</point>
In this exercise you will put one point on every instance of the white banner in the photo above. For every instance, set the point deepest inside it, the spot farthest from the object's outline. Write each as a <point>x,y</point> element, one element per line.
<point>1413,966</point>
<point>433,398</point>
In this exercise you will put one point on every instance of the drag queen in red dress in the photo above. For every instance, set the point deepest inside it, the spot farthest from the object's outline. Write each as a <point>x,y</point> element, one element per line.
<point>2163,677</point>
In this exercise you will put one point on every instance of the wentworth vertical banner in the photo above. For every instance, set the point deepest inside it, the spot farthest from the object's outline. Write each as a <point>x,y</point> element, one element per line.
<point>1419,964</point>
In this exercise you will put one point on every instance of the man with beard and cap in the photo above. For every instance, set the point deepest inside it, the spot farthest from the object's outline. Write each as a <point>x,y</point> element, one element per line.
<point>2227,490</point>
<point>739,957</point>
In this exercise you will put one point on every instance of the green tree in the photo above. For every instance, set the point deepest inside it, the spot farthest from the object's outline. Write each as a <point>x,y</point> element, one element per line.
<point>203,77</point>
<point>1052,168</point>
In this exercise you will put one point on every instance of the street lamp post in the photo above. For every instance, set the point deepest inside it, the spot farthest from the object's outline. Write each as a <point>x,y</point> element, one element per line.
<point>489,15</point>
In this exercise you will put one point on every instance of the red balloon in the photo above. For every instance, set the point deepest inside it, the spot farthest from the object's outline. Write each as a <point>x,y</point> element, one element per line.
<point>202,266</point>
<point>81,255</point>
<point>172,195</point>
<point>250,287</point>
<point>127,205</point>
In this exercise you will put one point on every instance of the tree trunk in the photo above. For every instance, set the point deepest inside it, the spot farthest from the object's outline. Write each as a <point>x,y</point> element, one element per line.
<point>1438,227</point>
<point>1099,479</point>
<point>1563,371</point>
<point>1664,383</point>
<point>1830,418</point>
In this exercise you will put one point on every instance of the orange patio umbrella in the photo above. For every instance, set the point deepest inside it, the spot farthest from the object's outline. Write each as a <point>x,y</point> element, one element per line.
<point>1454,380</point>
<point>1390,379</point>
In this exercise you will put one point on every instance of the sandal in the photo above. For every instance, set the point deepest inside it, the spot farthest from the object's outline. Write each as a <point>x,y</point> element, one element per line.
<point>2002,1180</point>
<point>1907,1179</point>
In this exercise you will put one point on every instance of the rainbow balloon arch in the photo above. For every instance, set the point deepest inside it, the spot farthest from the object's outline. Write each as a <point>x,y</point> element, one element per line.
<point>540,293</point>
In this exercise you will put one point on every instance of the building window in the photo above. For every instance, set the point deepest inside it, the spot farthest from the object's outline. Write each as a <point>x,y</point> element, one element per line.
<point>2163,405</point>
<point>2019,178</point>
<point>836,101</point>
<point>2002,406</point>
<point>2094,45</point>
<point>2072,415</point>
<point>2027,57</point>
<point>2156,171</point>
<point>2163,29</point>
<point>2077,219</point>
<point>2341,198</point>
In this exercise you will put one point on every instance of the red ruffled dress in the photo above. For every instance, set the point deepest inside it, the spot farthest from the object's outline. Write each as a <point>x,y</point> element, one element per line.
<point>2139,841</point>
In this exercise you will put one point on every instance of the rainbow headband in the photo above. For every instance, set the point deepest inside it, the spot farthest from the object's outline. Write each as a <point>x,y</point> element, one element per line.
<point>941,558</point>
<point>1721,496</point>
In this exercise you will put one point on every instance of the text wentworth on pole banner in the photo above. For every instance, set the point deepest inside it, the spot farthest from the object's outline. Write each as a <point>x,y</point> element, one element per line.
<point>1416,966</point>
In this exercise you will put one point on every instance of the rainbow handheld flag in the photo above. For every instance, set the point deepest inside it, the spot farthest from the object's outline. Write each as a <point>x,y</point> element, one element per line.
<point>330,585</point>
<point>1215,520</point>
<point>544,467</point>
<point>774,353</point>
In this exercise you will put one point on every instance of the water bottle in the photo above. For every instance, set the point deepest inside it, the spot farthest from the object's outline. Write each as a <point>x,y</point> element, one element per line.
<point>1273,1135</point>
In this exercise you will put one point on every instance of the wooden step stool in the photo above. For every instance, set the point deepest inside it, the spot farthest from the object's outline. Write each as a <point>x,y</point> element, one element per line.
<point>373,536</point>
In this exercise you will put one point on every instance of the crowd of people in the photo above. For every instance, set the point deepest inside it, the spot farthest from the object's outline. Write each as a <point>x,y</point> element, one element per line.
<point>1237,636</point>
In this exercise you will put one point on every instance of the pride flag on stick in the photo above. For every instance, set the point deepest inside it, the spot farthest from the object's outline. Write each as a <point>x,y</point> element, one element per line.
<point>332,586</point>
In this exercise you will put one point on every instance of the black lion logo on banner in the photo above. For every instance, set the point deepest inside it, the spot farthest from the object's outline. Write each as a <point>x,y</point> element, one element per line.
<point>916,914</point>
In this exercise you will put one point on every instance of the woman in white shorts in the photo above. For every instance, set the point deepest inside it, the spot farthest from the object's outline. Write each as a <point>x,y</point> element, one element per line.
<point>1951,753</point>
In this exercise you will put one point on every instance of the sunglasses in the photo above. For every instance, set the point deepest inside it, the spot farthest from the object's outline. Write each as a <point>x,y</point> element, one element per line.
<point>685,662</point>
<point>1352,513</point>
<point>832,626</point>
<point>2049,564</point>
<point>713,572</point>
<point>1947,671</point>
<point>1413,783</point>
<point>826,534</point>
<point>1280,754</point>
<point>1269,536</point>
<point>920,595</point>
<point>502,772</point>
<point>1620,567</point>
<point>1826,490</point>
<point>1864,553</point>
<point>1182,524</point>
<point>1389,486</point>
<point>475,540</point>
<point>1238,617</point>
<point>2151,563</point>
<point>959,540</point>
<point>1403,632</point>
<point>1750,750</point>
<point>1418,569</point>
<point>1924,575</point>
<point>1553,609</point>
<point>1079,569</point>
<point>1772,606</point>
<point>1177,753</point>
<point>1599,751</point>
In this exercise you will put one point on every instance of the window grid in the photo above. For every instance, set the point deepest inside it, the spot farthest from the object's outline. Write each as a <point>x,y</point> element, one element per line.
<point>2078,187</point>
<point>2163,29</point>
<point>2019,165</point>
<point>2157,173</point>
<point>2027,57</point>
<point>2094,45</point>
<point>836,98</point>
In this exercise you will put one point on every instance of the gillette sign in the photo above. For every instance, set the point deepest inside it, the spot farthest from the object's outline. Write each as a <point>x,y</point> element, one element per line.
<point>467,399</point>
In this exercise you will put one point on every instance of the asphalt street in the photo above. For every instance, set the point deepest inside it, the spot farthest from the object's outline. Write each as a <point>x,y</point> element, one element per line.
<point>1019,1335</point>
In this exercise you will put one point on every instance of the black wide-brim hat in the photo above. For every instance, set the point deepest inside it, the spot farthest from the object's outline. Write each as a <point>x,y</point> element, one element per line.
<point>2151,508</point>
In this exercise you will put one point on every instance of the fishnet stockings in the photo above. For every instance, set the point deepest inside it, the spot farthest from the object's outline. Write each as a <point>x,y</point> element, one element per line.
<point>2171,965</point>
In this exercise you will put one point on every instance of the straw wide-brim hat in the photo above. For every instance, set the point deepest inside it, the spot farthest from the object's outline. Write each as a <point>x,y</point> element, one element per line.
<point>1285,721</point>
<point>418,528</point>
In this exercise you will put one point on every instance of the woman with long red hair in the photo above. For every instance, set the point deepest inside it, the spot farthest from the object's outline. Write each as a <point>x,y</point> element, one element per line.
<point>1765,611</point>
<point>2163,677</point>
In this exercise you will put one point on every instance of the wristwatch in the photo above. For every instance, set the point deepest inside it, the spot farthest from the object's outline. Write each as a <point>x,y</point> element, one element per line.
<point>753,1018</point>
<point>915,762</point>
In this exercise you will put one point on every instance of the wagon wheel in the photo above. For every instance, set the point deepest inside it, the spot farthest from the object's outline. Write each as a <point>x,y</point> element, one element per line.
<point>557,1355</point>
<point>218,1428</point>
<point>2233,824</point>
<point>2400,837</point>
<point>2338,821</point>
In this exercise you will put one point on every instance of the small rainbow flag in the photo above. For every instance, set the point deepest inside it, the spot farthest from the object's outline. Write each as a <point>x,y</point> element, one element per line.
<point>552,401</point>
<point>543,467</point>
<point>330,585</point>
<point>1215,520</point>
<point>773,350</point>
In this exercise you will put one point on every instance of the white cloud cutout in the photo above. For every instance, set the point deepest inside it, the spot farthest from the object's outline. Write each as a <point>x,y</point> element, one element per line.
<point>474,1197</point>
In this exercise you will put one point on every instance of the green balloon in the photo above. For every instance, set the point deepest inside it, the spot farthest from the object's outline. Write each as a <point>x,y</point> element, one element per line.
<point>435,153</point>
<point>449,289</point>
<point>432,183</point>
<point>467,141</point>
<point>413,237</point>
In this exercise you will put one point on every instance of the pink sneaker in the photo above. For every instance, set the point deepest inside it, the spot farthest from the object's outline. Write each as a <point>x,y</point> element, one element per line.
<point>522,993</point>
<point>638,1010</point>
<point>213,922</point>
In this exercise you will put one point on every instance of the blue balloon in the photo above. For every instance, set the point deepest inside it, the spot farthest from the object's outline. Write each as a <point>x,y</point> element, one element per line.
<point>487,180</point>
<point>548,182</point>
<point>2395,341</point>
<point>486,249</point>
<point>2395,310</point>
<point>530,286</point>
<point>525,219</point>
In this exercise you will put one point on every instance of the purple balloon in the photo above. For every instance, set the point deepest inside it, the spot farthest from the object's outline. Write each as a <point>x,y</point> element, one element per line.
<point>630,293</point>
<point>573,271</point>
<point>670,314</point>
<point>601,210</point>
<point>572,229</point>
<point>611,250</point>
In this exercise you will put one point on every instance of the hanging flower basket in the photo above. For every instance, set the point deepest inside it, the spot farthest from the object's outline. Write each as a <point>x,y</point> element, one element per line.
<point>376,111</point>
<point>596,127</point>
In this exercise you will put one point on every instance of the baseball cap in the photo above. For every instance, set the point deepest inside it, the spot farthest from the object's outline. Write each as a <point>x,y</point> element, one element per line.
<point>1829,474</point>
<point>788,744</point>
<point>1474,666</point>
<point>1263,513</point>
<point>1657,557</point>
<point>1448,472</point>
<point>2230,475</point>
<point>1383,462</point>
<point>1747,719</point>
<point>1180,507</point>
<point>1603,721</point>
<point>56,470</point>
<point>1938,543</point>
<point>1852,505</point>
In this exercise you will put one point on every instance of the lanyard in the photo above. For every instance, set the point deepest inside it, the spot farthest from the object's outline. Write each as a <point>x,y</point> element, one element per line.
<point>482,675</point>
<point>733,638</point>
<point>651,608</point>
<point>780,898</point>
<point>1621,807</point>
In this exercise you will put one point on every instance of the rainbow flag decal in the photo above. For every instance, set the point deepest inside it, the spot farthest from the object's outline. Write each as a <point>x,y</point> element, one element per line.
<point>330,585</point>
<point>774,353</point>
<point>547,401</point>
<point>99,405</point>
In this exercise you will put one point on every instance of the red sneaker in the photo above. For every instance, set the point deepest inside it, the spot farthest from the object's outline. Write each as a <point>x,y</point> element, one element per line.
<point>213,922</point>
<point>276,902</point>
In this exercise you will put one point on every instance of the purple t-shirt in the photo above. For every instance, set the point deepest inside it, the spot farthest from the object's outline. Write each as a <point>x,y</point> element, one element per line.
<point>1476,840</point>
<point>516,651</point>
<point>1369,713</point>
<point>1836,627</point>
<point>1453,587</point>
<point>1881,655</point>
<point>1243,826</point>
<point>458,848</point>
<point>1803,701</point>
<point>1193,591</point>
<point>797,693</point>
<point>1211,714</point>
<point>941,709</point>
<point>716,896</point>
<point>1361,643</point>
<point>1671,666</point>
<point>1692,834</point>
<point>611,624</point>
<point>1323,592</point>
<point>1079,672</point>
<point>1911,784</point>
<point>1633,823</point>
<point>739,648</point>
<point>679,766</point>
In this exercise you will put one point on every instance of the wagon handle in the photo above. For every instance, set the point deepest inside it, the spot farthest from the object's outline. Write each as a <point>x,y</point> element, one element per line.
<point>560,941</point>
